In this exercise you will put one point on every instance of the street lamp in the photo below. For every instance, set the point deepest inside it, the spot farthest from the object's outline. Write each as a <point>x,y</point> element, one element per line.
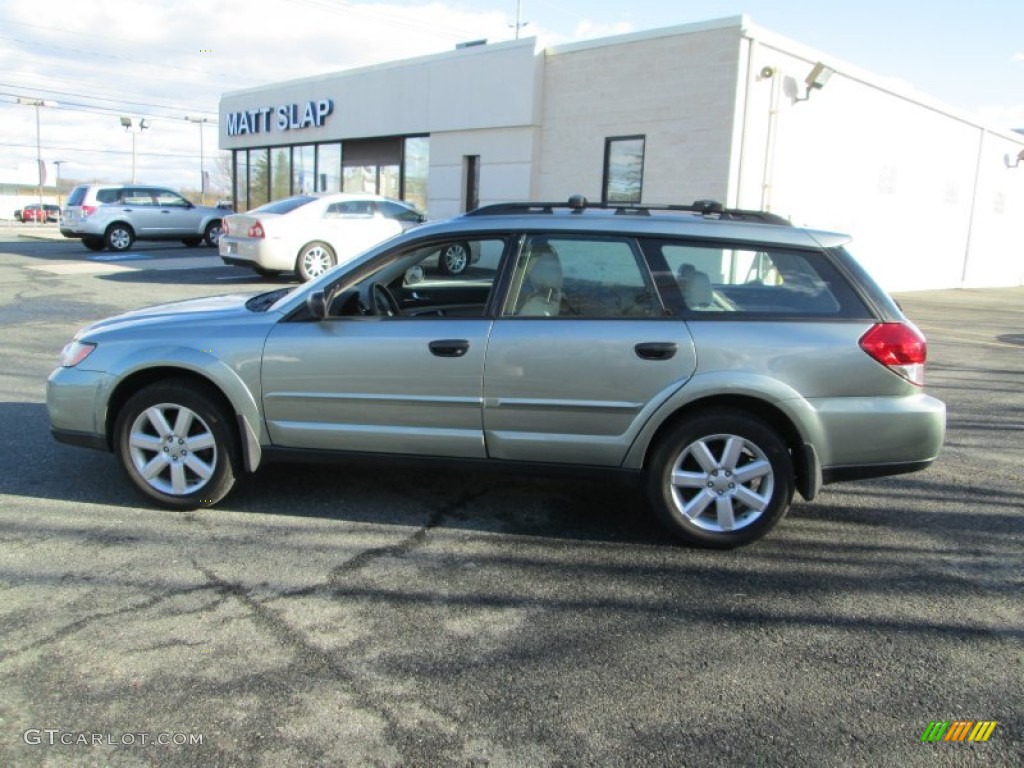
<point>143,125</point>
<point>57,164</point>
<point>41,169</point>
<point>202,171</point>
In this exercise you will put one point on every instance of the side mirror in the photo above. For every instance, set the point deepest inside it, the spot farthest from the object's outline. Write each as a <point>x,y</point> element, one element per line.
<point>414,275</point>
<point>316,305</point>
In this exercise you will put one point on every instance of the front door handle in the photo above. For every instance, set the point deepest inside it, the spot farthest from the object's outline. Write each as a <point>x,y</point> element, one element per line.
<point>449,347</point>
<point>656,350</point>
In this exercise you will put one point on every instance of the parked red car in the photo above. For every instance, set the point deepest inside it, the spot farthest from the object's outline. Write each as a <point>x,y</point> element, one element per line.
<point>33,212</point>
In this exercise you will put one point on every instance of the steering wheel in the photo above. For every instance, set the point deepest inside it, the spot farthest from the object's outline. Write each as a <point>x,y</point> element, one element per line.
<point>378,300</point>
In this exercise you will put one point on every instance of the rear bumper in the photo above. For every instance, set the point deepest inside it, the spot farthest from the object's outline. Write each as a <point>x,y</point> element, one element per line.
<point>875,436</point>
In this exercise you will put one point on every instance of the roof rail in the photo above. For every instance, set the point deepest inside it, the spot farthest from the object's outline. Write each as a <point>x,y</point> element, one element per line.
<point>578,204</point>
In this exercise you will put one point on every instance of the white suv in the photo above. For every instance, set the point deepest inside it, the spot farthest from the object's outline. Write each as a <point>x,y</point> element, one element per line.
<point>114,217</point>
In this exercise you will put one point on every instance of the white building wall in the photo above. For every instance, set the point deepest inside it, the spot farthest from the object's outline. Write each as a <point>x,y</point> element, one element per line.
<point>675,86</point>
<point>895,170</point>
<point>506,167</point>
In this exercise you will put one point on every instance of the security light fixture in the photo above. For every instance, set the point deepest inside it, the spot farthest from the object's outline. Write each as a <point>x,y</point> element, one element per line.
<point>126,123</point>
<point>816,80</point>
<point>1015,162</point>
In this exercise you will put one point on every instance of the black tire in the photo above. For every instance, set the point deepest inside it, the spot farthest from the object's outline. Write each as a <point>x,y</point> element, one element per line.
<point>119,237</point>
<point>314,259</point>
<point>184,478</point>
<point>454,258</point>
<point>94,243</point>
<point>192,242</point>
<point>752,485</point>
<point>213,233</point>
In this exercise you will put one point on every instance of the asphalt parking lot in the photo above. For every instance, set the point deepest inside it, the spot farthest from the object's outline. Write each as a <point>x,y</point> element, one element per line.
<point>375,616</point>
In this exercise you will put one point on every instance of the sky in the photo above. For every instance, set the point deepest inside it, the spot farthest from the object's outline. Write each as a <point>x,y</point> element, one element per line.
<point>168,60</point>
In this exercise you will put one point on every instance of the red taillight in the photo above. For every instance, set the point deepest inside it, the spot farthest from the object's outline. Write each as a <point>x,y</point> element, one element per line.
<point>899,347</point>
<point>88,210</point>
<point>256,230</point>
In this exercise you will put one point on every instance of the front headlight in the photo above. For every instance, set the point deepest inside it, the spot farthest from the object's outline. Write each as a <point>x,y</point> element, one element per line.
<point>75,352</point>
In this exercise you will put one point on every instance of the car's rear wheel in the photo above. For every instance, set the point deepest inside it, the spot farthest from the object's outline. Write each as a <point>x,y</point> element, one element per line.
<point>213,232</point>
<point>454,258</point>
<point>720,479</point>
<point>175,443</point>
<point>192,242</point>
<point>119,237</point>
<point>315,259</point>
<point>94,243</point>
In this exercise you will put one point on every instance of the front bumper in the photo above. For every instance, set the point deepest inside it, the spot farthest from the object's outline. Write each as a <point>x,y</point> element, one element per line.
<point>76,402</point>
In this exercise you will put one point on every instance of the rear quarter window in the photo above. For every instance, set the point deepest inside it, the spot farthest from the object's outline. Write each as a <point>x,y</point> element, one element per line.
<point>727,280</point>
<point>108,195</point>
<point>77,196</point>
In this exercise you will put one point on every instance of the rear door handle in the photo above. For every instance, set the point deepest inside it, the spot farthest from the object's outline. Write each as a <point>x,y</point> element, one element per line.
<point>449,347</point>
<point>656,350</point>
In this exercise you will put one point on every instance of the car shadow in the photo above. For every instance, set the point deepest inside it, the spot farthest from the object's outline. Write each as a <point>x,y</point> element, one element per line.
<point>386,492</point>
<point>231,278</point>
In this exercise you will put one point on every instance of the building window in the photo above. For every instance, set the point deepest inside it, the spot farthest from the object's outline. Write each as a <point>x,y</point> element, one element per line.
<point>281,173</point>
<point>259,177</point>
<point>241,190</point>
<point>623,169</point>
<point>303,169</point>
<point>328,167</point>
<point>415,170</point>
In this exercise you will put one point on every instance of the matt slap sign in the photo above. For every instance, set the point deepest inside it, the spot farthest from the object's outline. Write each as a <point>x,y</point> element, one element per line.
<point>286,117</point>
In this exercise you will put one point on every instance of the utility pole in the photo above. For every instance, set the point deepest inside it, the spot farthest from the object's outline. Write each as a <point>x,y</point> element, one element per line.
<point>40,168</point>
<point>519,14</point>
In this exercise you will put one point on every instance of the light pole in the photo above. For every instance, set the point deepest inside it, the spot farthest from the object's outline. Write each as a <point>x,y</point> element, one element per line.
<point>57,164</point>
<point>40,168</point>
<point>202,170</point>
<point>143,125</point>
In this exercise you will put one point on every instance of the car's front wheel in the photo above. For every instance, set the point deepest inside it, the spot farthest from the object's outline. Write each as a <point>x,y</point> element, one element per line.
<point>94,243</point>
<point>720,479</point>
<point>119,237</point>
<point>454,258</point>
<point>175,443</point>
<point>315,259</point>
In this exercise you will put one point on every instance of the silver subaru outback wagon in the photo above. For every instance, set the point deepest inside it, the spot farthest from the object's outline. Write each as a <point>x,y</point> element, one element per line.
<point>728,358</point>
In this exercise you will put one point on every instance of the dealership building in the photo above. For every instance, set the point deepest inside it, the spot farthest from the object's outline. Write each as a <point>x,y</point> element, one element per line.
<point>722,110</point>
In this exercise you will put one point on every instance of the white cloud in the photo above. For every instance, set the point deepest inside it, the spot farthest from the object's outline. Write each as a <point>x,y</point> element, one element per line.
<point>168,59</point>
<point>1017,56</point>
